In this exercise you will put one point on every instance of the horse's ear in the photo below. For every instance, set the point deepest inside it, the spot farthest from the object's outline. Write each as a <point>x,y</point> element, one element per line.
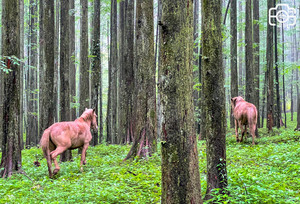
<point>233,101</point>
<point>85,109</point>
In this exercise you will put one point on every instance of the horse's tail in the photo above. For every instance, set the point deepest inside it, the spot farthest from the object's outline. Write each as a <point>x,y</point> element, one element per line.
<point>45,147</point>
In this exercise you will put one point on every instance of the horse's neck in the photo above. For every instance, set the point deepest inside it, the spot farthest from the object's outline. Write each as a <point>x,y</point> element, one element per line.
<point>80,119</point>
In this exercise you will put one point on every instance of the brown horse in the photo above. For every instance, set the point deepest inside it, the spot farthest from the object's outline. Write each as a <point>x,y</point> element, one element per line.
<point>68,135</point>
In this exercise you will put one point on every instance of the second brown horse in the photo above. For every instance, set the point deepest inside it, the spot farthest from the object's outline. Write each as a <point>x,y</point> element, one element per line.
<point>68,135</point>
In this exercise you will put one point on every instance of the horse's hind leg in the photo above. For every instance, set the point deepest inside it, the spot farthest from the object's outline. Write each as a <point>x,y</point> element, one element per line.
<point>83,155</point>
<point>54,154</point>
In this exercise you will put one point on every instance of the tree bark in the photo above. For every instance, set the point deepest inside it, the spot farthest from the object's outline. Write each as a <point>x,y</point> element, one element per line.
<point>126,76</point>
<point>233,53</point>
<point>144,122</point>
<point>84,47</point>
<point>241,69</point>
<point>270,77</point>
<point>47,110</point>
<point>96,65</point>
<point>11,153</point>
<point>250,84</point>
<point>256,62</point>
<point>180,168</point>
<point>214,97</point>
<point>278,109</point>
<point>72,60</point>
<point>64,69</point>
<point>112,92</point>
<point>283,78</point>
<point>32,126</point>
<point>41,65</point>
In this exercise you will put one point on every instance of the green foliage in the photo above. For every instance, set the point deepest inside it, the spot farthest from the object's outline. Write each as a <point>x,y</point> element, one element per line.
<point>268,172</point>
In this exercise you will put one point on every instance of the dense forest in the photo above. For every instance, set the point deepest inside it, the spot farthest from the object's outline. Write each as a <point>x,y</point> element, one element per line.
<point>163,79</point>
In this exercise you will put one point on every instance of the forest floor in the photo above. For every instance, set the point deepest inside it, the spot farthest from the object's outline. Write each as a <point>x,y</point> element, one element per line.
<point>268,172</point>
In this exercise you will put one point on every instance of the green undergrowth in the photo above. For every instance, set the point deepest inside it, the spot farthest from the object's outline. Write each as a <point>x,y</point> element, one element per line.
<point>268,172</point>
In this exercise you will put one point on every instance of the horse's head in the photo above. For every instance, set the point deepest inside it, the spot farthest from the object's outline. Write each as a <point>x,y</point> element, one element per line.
<point>94,120</point>
<point>90,114</point>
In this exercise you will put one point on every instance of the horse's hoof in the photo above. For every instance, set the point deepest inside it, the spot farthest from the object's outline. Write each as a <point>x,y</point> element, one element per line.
<point>55,171</point>
<point>81,169</point>
<point>84,163</point>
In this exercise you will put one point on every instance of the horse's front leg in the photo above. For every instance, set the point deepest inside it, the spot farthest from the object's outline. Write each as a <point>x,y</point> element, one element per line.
<point>83,155</point>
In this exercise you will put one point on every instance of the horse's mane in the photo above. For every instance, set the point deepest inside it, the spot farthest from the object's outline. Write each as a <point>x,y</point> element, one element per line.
<point>86,115</point>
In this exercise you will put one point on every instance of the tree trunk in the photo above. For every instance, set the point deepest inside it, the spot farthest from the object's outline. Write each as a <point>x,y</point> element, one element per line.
<point>84,47</point>
<point>278,109</point>
<point>144,112</point>
<point>270,77</point>
<point>241,70</point>
<point>112,92</point>
<point>250,84</point>
<point>283,78</point>
<point>72,60</point>
<point>22,63</point>
<point>298,101</point>
<point>41,65</point>
<point>56,56</point>
<point>126,76</point>
<point>64,70</point>
<point>11,153</point>
<point>96,65</point>
<point>214,97</point>
<point>32,128</point>
<point>47,96</point>
<point>180,168</point>
<point>256,62</point>
<point>233,53</point>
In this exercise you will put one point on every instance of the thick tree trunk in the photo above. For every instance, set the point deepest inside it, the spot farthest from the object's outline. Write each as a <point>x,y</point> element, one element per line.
<point>84,65</point>
<point>32,127</point>
<point>126,76</point>
<point>72,60</point>
<point>214,97</point>
<point>180,168</point>
<point>112,92</point>
<point>11,153</point>
<point>250,84</point>
<point>96,65</point>
<point>256,62</point>
<point>64,69</point>
<point>144,112</point>
<point>233,53</point>
<point>47,110</point>
<point>270,77</point>
<point>298,101</point>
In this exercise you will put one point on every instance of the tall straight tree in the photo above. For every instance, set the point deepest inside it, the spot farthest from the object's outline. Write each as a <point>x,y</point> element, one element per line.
<point>278,108</point>
<point>127,77</point>
<point>298,101</point>
<point>196,63</point>
<point>233,53</point>
<point>240,57</point>
<point>256,58</point>
<point>96,65</point>
<point>283,77</point>
<point>72,59</point>
<point>144,124</point>
<point>32,126</point>
<point>84,63</point>
<point>11,153</point>
<point>270,73</point>
<point>47,97</point>
<point>64,69</point>
<point>22,63</point>
<point>112,92</point>
<point>250,84</point>
<point>180,168</point>
<point>214,96</point>
<point>41,62</point>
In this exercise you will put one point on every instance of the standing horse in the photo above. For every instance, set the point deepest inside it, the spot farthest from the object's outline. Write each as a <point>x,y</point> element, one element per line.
<point>68,135</point>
